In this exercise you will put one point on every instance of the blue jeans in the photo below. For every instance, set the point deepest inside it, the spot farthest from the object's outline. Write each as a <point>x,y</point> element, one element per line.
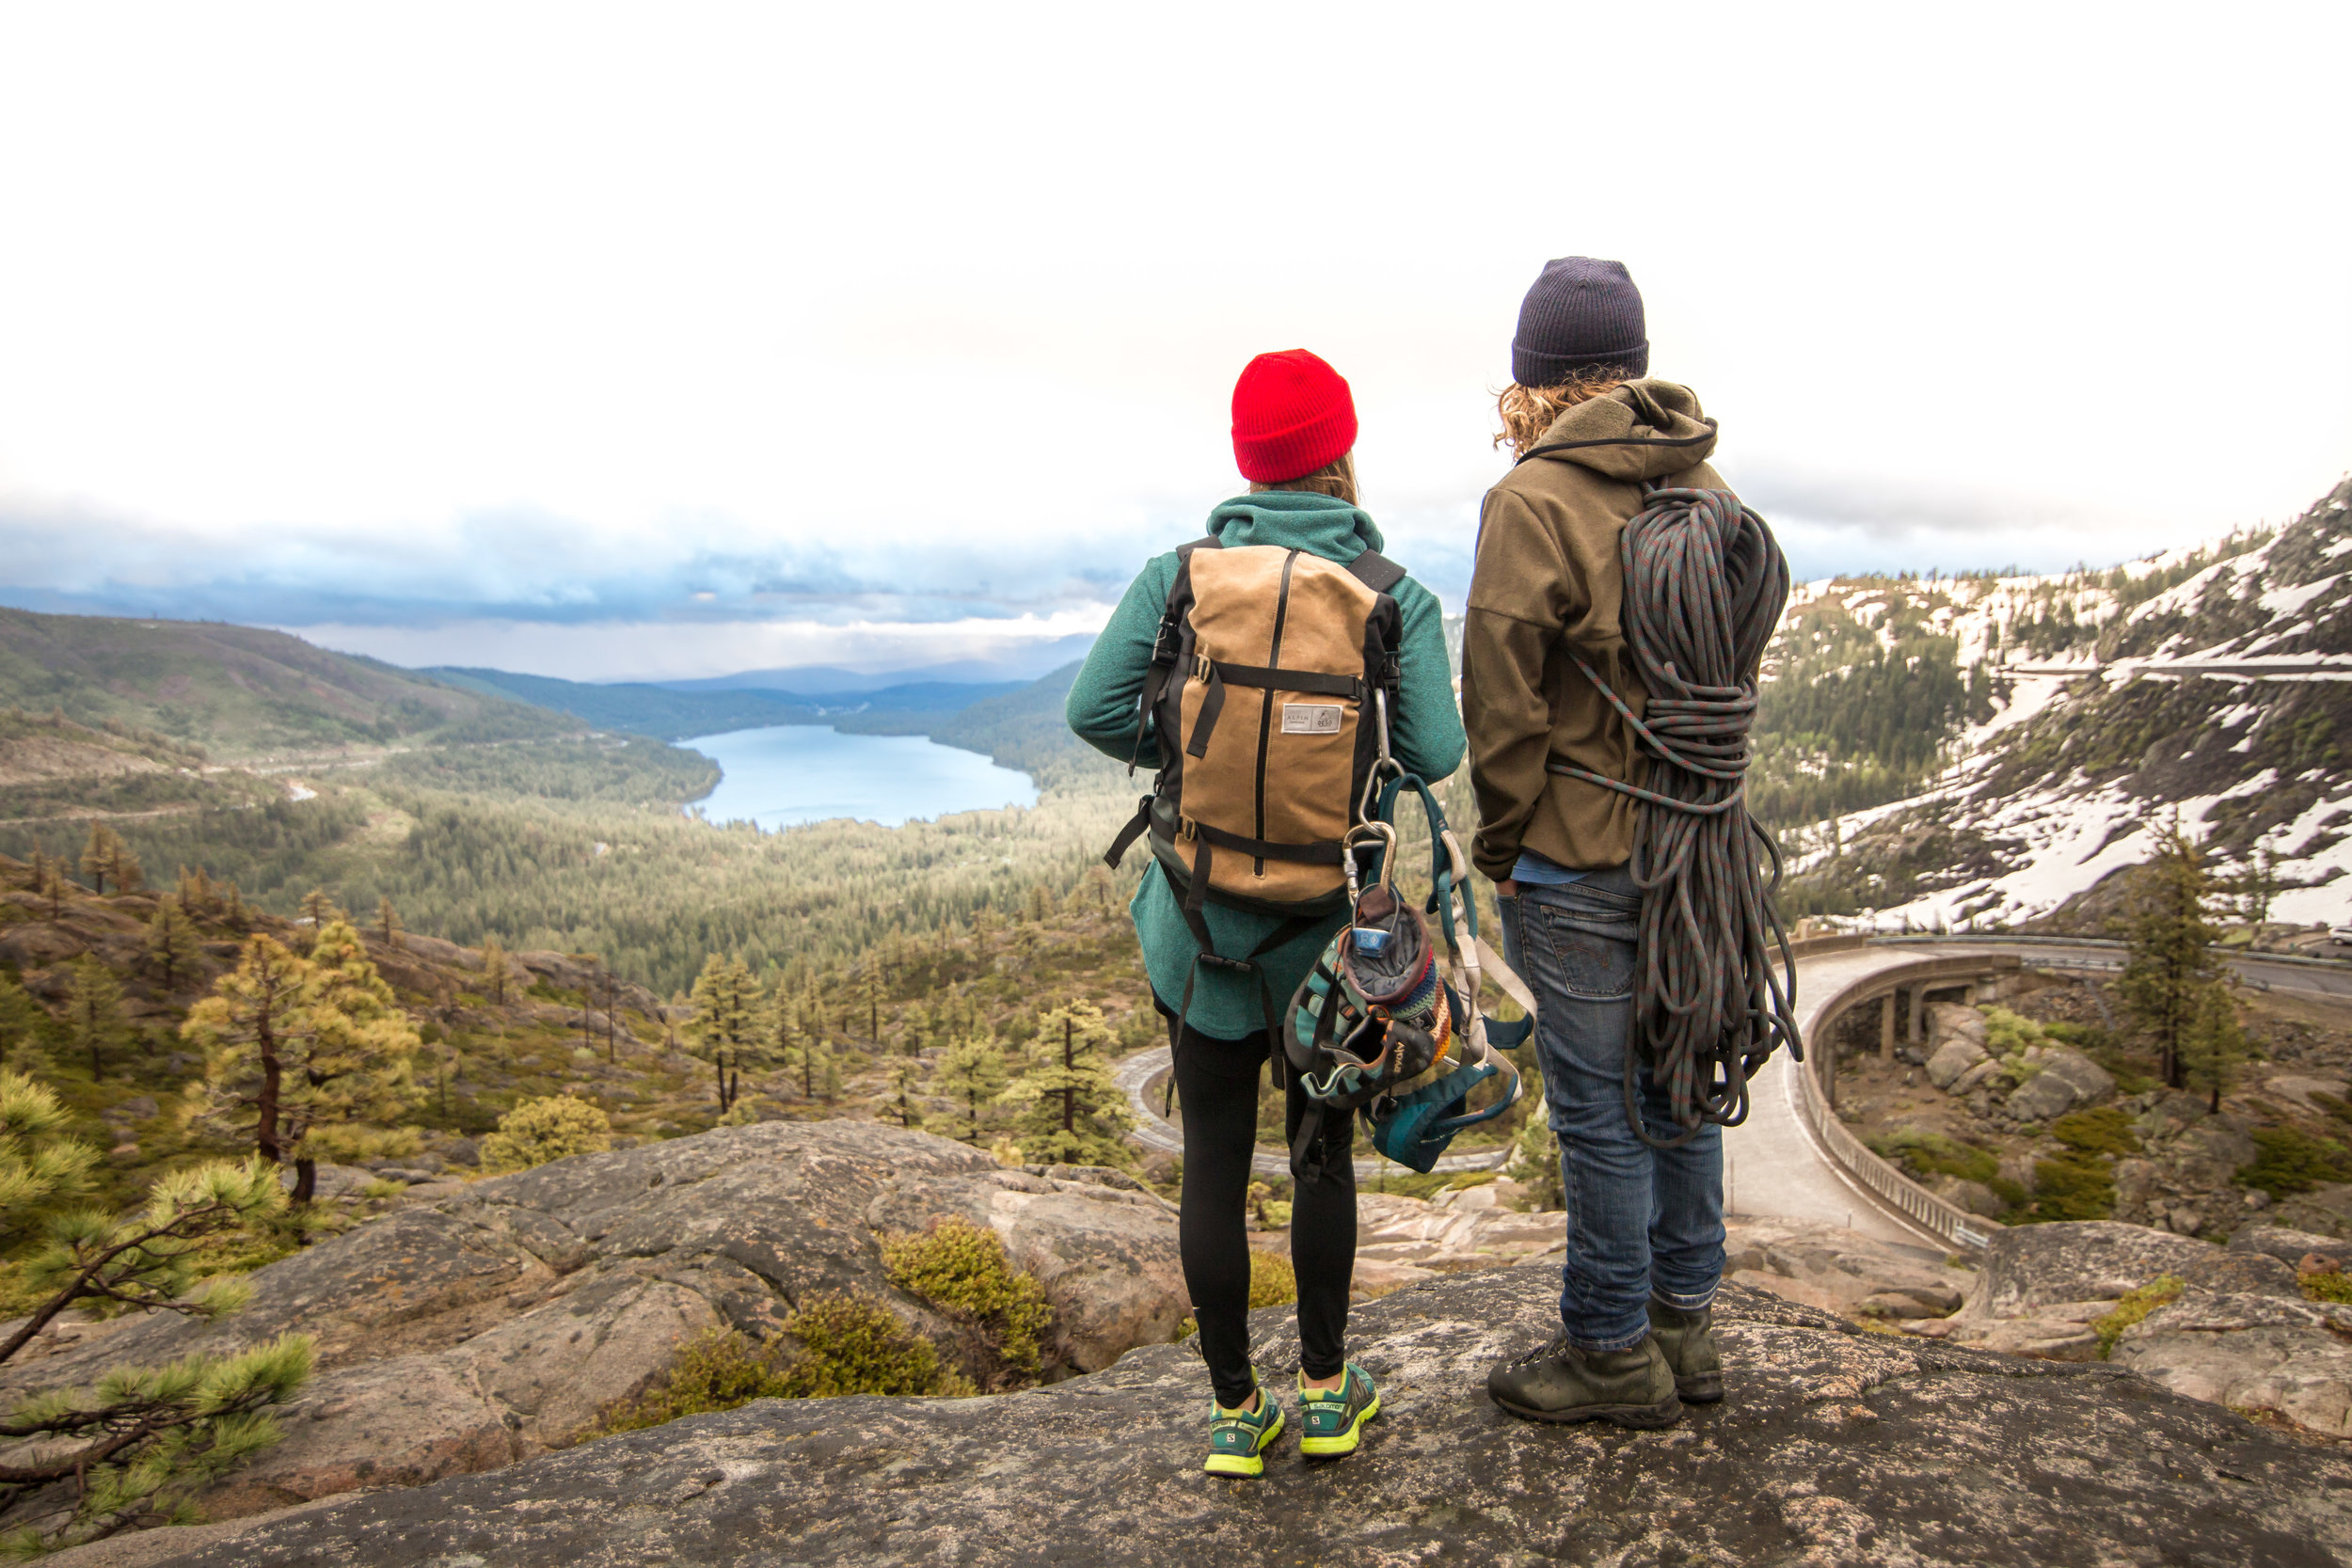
<point>1642,1221</point>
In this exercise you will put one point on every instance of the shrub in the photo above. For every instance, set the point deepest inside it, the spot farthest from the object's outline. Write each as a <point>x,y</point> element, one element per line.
<point>539,1131</point>
<point>960,1268</point>
<point>2006,1033</point>
<point>2291,1162</point>
<point>846,1345</point>
<point>2329,1285</point>
<point>1927,1153</point>
<point>2136,1306</point>
<point>2071,1188</point>
<point>1272,1281</point>
<point>2105,1130</point>
<point>854,1345</point>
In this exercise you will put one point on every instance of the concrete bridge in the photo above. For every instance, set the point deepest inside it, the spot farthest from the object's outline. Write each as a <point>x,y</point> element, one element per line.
<point>1792,1158</point>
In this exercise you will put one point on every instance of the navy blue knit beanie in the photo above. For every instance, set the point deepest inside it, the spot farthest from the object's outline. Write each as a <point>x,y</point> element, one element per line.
<point>1581,314</point>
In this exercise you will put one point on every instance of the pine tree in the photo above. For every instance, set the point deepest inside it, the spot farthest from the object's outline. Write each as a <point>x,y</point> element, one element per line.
<point>49,882</point>
<point>93,1012</point>
<point>388,927</point>
<point>798,1040</point>
<point>195,892</point>
<point>294,1046</point>
<point>726,1005</point>
<point>871,993</point>
<point>495,969</point>
<point>2171,964</point>
<point>172,937</point>
<point>1071,1114</point>
<point>2258,885</point>
<point>973,1075</point>
<point>232,908</point>
<point>318,911</point>
<point>98,856</point>
<point>903,1110</point>
<point>2214,1047</point>
<point>138,1445</point>
<point>21,1025</point>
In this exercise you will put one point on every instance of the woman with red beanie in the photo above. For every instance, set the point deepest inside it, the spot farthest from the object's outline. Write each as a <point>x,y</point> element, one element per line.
<point>1293,438</point>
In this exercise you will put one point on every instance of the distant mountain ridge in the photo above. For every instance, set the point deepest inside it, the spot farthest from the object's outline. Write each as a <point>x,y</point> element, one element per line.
<point>669,713</point>
<point>1017,667</point>
<point>239,691</point>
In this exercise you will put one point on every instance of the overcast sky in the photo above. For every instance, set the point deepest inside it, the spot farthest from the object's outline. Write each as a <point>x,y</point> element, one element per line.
<point>675,339</point>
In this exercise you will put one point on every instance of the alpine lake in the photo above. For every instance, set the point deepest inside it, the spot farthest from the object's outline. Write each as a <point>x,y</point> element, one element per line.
<point>781,775</point>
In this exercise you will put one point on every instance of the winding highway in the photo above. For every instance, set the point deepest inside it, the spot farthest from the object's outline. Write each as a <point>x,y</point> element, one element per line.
<point>1776,1164</point>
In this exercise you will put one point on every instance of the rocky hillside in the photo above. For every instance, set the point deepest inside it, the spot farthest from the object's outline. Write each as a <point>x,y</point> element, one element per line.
<point>2216,683</point>
<point>1835,1446</point>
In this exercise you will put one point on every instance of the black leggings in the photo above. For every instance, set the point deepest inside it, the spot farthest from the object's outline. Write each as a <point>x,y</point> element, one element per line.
<point>1216,1083</point>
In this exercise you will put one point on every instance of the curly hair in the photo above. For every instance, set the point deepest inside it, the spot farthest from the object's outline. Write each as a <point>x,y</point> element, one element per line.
<point>1336,478</point>
<point>1527,412</point>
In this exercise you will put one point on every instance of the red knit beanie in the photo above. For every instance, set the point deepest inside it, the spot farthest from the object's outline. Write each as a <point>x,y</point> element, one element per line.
<point>1292,415</point>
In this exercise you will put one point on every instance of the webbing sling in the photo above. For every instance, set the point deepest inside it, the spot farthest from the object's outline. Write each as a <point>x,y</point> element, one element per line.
<point>1704,583</point>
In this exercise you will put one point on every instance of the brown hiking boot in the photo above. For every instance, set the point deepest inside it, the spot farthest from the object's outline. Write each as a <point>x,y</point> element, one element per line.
<point>1687,1339</point>
<point>1560,1383</point>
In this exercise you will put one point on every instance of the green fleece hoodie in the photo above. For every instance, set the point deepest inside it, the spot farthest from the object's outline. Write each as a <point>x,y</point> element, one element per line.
<point>1425,734</point>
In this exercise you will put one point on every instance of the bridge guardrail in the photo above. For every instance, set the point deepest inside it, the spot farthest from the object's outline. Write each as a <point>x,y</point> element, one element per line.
<point>1946,1221</point>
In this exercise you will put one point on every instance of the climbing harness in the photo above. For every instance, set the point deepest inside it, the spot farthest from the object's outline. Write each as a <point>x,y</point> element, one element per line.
<point>1380,1025</point>
<point>1704,584</point>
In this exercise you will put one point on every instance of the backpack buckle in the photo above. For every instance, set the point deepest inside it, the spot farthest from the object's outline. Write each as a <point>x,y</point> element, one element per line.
<point>1187,830</point>
<point>1202,671</point>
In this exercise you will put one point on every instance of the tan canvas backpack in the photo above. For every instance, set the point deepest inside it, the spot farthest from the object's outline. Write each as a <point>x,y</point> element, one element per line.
<point>1270,688</point>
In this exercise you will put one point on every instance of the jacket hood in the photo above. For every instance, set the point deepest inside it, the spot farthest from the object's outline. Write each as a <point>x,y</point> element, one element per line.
<point>1643,430</point>
<point>1295,520</point>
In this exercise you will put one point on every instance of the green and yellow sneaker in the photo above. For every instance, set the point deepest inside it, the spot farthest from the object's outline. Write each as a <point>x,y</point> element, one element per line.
<point>1332,1419</point>
<point>1238,1438</point>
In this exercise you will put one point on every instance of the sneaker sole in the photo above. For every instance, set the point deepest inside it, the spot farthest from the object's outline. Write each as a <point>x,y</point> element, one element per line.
<point>1334,1448</point>
<point>1248,1465</point>
<point>1646,1418</point>
<point>1705,1388</point>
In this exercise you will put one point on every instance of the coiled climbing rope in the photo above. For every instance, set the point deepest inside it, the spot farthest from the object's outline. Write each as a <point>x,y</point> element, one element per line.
<point>1704,583</point>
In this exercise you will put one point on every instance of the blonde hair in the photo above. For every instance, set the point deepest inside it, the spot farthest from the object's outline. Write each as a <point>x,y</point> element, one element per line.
<point>1527,412</point>
<point>1336,478</point>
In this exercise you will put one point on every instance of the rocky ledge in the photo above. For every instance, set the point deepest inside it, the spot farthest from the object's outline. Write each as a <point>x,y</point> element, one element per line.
<point>492,1324</point>
<point>1836,1447</point>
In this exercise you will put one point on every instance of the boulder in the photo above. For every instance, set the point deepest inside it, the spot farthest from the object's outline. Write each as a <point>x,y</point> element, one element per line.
<point>2027,1267</point>
<point>2068,1079</point>
<point>2265,1352</point>
<point>466,1332</point>
<point>2288,1246</point>
<point>1834,1447</point>
<point>2297,1090</point>
<point>1974,1078</point>
<point>1953,1059</point>
<point>1953,1020</point>
<point>1973,1197</point>
<point>1843,1271</point>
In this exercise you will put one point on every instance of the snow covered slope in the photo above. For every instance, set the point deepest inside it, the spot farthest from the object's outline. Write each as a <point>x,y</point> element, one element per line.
<point>2214,683</point>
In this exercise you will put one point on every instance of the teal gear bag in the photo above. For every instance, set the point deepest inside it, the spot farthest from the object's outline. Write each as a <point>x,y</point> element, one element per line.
<point>1380,1025</point>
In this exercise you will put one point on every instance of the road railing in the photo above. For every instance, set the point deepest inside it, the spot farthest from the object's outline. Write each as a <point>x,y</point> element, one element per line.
<point>1962,1232</point>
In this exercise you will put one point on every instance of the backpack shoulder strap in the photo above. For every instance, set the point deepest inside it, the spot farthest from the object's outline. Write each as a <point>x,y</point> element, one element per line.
<point>1376,571</point>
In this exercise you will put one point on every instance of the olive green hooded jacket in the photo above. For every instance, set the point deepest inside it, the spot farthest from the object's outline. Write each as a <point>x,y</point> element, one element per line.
<point>1547,581</point>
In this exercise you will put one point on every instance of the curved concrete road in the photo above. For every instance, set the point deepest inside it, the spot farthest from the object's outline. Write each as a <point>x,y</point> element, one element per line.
<point>1772,1166</point>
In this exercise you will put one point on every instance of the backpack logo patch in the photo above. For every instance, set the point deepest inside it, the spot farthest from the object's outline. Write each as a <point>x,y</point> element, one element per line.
<point>1310,717</point>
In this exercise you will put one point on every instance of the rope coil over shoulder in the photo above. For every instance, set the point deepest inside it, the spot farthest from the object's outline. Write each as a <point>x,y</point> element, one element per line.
<point>1704,584</point>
